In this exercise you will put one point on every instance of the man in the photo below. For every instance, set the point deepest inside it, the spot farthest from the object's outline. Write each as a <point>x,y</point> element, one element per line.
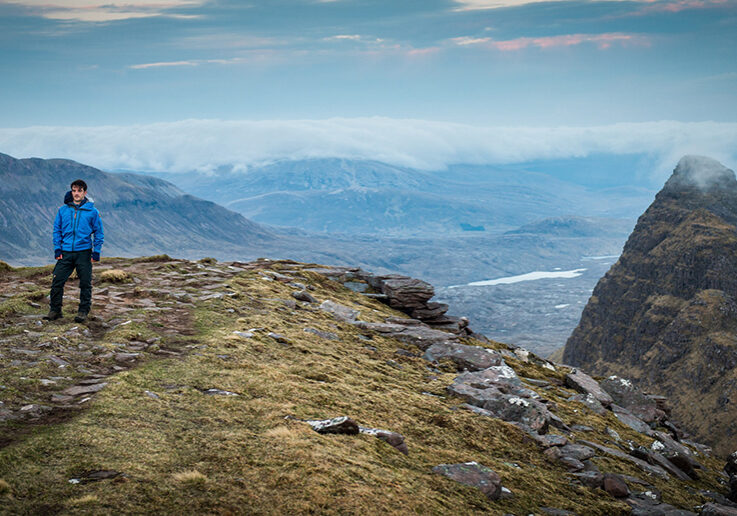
<point>76,223</point>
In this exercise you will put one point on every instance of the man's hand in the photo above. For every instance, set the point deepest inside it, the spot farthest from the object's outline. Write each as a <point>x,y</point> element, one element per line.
<point>57,254</point>
<point>95,257</point>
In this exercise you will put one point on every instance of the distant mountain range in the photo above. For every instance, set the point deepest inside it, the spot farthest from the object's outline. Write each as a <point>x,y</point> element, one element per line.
<point>369,197</point>
<point>141,215</point>
<point>144,215</point>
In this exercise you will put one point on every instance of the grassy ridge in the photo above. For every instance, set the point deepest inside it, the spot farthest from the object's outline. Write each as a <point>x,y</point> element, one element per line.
<point>185,452</point>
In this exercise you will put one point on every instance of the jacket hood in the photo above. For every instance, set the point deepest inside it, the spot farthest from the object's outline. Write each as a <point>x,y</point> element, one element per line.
<point>87,203</point>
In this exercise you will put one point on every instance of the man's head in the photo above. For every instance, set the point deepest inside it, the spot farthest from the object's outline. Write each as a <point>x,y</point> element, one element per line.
<point>79,190</point>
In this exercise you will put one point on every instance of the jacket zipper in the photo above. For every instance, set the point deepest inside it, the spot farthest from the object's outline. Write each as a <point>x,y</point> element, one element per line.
<point>74,228</point>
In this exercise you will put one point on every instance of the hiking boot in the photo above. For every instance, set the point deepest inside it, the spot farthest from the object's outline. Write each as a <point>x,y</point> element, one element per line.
<point>52,315</point>
<point>80,317</point>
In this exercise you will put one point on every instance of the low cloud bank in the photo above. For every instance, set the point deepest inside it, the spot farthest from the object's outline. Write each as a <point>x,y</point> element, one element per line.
<point>205,145</point>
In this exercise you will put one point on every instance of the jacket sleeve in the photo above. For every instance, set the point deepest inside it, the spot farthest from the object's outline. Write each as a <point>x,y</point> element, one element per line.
<point>99,233</point>
<point>57,230</point>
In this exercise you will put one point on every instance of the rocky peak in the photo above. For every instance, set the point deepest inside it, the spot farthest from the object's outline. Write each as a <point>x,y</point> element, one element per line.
<point>698,182</point>
<point>701,172</point>
<point>664,313</point>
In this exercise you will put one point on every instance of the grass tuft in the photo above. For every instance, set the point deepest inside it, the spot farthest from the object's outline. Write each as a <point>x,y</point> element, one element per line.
<point>115,276</point>
<point>189,477</point>
<point>155,258</point>
<point>83,500</point>
<point>5,488</point>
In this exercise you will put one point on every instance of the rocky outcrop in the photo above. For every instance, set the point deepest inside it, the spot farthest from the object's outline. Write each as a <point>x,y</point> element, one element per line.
<point>665,315</point>
<point>409,295</point>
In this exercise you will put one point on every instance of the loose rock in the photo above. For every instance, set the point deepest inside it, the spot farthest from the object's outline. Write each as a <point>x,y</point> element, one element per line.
<point>303,295</point>
<point>475,475</point>
<point>472,358</point>
<point>615,486</point>
<point>340,312</point>
<point>337,425</point>
<point>713,509</point>
<point>583,383</point>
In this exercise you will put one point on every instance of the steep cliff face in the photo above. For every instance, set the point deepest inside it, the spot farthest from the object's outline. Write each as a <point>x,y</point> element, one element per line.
<point>665,314</point>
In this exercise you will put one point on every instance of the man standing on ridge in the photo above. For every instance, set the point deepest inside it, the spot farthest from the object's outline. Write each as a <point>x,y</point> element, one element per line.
<point>75,248</point>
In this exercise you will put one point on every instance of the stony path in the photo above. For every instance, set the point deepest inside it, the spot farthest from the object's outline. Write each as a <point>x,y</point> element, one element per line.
<point>49,370</point>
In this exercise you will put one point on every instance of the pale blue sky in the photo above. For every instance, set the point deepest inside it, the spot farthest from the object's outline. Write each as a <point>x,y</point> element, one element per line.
<point>551,63</point>
<point>480,63</point>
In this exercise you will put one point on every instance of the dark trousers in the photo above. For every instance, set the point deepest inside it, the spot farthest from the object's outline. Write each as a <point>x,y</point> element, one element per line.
<point>70,260</point>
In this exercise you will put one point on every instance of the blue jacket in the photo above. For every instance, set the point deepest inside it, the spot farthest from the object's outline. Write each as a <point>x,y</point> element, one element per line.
<point>74,226</point>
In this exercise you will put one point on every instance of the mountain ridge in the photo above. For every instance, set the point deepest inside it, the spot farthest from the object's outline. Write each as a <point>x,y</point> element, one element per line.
<point>277,386</point>
<point>664,313</point>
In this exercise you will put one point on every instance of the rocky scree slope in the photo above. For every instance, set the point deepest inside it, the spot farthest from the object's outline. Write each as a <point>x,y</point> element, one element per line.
<point>666,313</point>
<point>274,387</point>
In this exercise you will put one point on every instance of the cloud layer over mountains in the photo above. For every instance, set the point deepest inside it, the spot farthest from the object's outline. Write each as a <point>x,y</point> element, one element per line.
<point>205,145</point>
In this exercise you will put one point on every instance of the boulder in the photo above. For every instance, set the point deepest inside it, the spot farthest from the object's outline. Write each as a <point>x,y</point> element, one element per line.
<point>626,395</point>
<point>472,395</point>
<point>336,425</point>
<point>629,419</point>
<point>572,464</point>
<point>590,401</point>
<point>644,505</point>
<point>528,412</point>
<point>678,454</point>
<point>431,310</point>
<point>549,440</point>
<point>643,465</point>
<point>717,498</point>
<point>418,335</point>
<point>393,438</point>
<point>615,486</point>
<point>592,479</point>
<point>656,458</point>
<point>502,377</point>
<point>472,358</point>
<point>405,294</point>
<point>340,312</point>
<point>84,389</point>
<point>475,475</point>
<point>713,509</point>
<point>577,451</point>
<point>303,295</point>
<point>583,383</point>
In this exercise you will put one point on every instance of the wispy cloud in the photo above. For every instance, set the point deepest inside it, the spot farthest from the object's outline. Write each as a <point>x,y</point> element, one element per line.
<point>254,56</point>
<point>164,64</point>
<point>602,41</point>
<point>653,5</point>
<point>207,144</point>
<point>106,11</point>
<point>472,5</point>
<point>339,37</point>
<point>675,6</point>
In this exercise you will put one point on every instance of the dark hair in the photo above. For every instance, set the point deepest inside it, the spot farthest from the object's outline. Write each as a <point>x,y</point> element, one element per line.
<point>80,184</point>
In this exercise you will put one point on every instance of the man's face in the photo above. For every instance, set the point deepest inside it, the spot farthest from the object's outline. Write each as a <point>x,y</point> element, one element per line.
<point>78,194</point>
